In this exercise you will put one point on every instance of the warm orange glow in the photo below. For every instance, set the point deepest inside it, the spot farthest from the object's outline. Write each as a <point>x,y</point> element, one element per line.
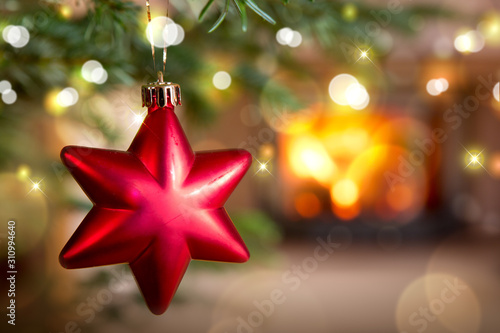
<point>369,163</point>
<point>494,165</point>
<point>392,187</point>
<point>400,198</point>
<point>366,165</point>
<point>266,151</point>
<point>347,213</point>
<point>291,122</point>
<point>345,193</point>
<point>346,143</point>
<point>308,158</point>
<point>307,205</point>
<point>399,129</point>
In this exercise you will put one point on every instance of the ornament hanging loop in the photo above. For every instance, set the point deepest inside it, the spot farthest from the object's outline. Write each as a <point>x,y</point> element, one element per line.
<point>160,94</point>
<point>150,29</point>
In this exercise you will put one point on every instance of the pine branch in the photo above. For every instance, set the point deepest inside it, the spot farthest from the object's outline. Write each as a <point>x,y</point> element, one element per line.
<point>111,33</point>
<point>240,5</point>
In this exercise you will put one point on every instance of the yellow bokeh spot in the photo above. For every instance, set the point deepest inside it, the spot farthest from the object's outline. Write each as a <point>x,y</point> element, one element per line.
<point>66,11</point>
<point>469,42</point>
<point>52,106</point>
<point>463,44</point>
<point>490,28</point>
<point>349,12</point>
<point>23,172</point>
<point>266,151</point>
<point>345,193</point>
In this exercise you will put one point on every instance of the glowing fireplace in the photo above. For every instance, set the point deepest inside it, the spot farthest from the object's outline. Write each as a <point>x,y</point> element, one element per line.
<point>355,165</point>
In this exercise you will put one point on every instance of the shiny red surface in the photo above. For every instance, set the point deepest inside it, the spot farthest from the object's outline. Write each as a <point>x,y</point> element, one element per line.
<point>156,206</point>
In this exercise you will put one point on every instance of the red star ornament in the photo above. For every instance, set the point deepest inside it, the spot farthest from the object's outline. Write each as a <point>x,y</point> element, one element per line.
<point>156,206</point>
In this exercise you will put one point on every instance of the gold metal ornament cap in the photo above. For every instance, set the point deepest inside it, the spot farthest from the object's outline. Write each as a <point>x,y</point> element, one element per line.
<point>161,93</point>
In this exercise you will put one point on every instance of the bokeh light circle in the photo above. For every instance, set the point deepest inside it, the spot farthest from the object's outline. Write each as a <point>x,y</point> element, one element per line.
<point>180,35</point>
<point>284,36</point>
<point>307,204</point>
<point>357,97</point>
<point>67,97</point>
<point>221,80</point>
<point>338,86</point>
<point>4,86</point>
<point>469,42</point>
<point>432,89</point>
<point>489,27</point>
<point>99,75</point>
<point>16,35</point>
<point>9,96</point>
<point>437,86</point>
<point>92,71</point>
<point>170,33</point>
<point>296,39</point>
<point>162,31</point>
<point>437,303</point>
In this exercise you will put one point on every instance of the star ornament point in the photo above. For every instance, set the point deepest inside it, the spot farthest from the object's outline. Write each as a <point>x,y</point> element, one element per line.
<point>156,206</point>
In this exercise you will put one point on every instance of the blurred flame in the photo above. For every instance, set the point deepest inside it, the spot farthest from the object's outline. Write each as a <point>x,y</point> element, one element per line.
<point>351,156</point>
<point>345,193</point>
<point>309,158</point>
<point>347,213</point>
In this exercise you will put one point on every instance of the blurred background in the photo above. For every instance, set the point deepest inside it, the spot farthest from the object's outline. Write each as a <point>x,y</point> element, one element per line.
<point>371,205</point>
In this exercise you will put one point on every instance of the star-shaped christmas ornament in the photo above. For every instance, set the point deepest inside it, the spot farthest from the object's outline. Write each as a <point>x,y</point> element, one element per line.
<point>157,205</point>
